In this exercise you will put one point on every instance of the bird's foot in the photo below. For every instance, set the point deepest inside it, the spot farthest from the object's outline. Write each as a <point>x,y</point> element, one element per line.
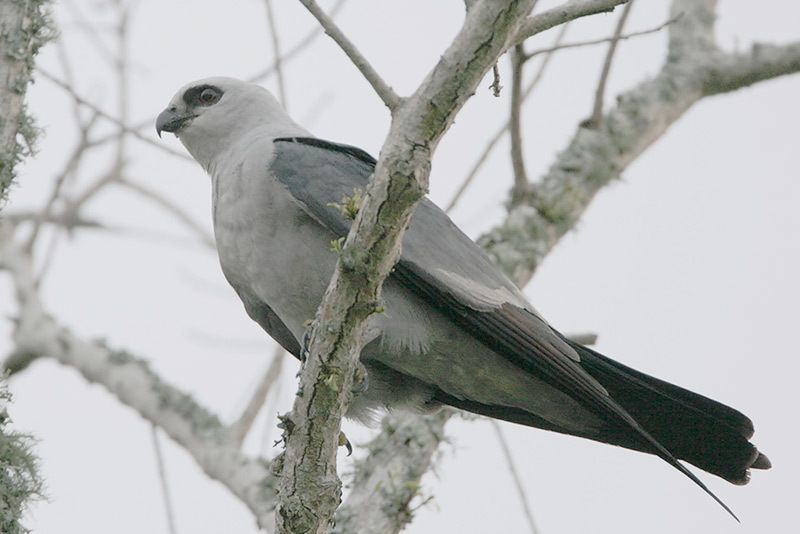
<point>305,344</point>
<point>360,380</point>
<point>344,442</point>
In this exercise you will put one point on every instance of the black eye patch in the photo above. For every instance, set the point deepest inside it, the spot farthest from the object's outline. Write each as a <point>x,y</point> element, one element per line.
<point>202,95</point>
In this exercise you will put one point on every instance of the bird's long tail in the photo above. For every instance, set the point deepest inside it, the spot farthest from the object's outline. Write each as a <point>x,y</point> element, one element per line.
<point>704,432</point>
<point>664,419</point>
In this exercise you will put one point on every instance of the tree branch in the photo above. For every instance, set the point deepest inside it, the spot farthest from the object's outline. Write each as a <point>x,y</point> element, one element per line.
<point>385,92</point>
<point>276,53</point>
<point>131,380</point>
<point>600,93</point>
<point>309,490</point>
<point>512,469</point>
<point>594,158</point>
<point>562,14</point>
<point>240,428</point>
<point>24,27</point>
<point>591,42</point>
<point>387,480</point>
<point>515,125</point>
<point>763,62</point>
<point>503,129</point>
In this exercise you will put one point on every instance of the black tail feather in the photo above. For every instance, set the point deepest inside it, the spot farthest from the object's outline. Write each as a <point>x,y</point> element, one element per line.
<point>704,432</point>
<point>665,420</point>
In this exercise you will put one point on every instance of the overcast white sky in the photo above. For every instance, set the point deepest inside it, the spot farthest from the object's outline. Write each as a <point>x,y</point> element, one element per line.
<point>686,268</point>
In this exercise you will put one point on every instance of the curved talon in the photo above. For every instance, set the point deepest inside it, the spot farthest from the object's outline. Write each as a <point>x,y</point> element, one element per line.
<point>344,442</point>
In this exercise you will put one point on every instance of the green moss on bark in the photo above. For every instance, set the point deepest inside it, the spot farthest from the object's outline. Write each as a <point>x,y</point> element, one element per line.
<point>27,26</point>
<point>19,471</point>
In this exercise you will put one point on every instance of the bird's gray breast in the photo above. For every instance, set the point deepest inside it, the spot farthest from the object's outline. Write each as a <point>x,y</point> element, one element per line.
<point>270,250</point>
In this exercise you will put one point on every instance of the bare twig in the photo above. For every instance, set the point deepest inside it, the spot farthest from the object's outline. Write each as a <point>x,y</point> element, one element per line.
<point>169,206</point>
<point>385,92</point>
<point>558,15</point>
<point>595,157</point>
<point>599,94</point>
<point>162,476</point>
<point>504,128</point>
<point>100,46</point>
<point>512,468</point>
<point>495,86</point>
<point>133,131</point>
<point>301,45</point>
<point>294,51</point>
<point>238,430</point>
<point>276,52</point>
<point>69,168</point>
<point>515,125</point>
<point>131,380</point>
<point>591,42</point>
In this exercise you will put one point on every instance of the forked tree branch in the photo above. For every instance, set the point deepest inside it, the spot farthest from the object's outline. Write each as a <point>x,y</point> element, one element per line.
<point>695,68</point>
<point>309,489</point>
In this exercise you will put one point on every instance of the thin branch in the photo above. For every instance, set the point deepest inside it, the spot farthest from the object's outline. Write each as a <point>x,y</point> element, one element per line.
<point>162,476</point>
<point>562,14</point>
<point>111,176</point>
<point>91,32</point>
<point>738,70</point>
<point>130,379</point>
<point>387,480</point>
<point>595,157</point>
<point>512,468</point>
<point>385,92</point>
<point>309,488</point>
<point>69,168</point>
<point>504,128</point>
<point>134,131</point>
<point>172,208</point>
<point>495,86</point>
<point>276,52</point>
<point>301,45</point>
<point>515,125</point>
<point>239,430</point>
<point>591,42</point>
<point>599,95</point>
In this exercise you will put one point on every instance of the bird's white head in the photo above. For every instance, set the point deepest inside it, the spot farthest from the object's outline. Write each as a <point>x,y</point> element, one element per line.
<point>212,114</point>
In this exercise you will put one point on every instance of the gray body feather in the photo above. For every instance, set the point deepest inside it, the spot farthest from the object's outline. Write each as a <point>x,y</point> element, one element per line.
<point>455,329</point>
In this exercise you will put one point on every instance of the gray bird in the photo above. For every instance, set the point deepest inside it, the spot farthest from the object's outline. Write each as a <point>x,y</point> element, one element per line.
<point>455,331</point>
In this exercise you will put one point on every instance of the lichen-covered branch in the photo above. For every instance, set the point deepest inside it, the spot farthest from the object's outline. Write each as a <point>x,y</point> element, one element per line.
<point>211,443</point>
<point>387,480</point>
<point>594,157</point>
<point>309,489</point>
<point>24,27</point>
<point>20,481</point>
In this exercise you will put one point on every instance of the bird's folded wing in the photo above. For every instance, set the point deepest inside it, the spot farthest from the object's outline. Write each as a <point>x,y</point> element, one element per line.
<point>452,273</point>
<point>442,265</point>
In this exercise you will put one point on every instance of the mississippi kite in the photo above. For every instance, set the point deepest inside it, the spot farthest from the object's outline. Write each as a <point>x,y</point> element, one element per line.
<point>455,330</point>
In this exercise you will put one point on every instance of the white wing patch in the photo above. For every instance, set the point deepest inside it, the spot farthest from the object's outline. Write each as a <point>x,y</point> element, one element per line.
<point>479,296</point>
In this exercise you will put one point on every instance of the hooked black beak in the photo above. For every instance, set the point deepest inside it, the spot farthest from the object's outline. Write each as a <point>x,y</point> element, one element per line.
<point>171,120</point>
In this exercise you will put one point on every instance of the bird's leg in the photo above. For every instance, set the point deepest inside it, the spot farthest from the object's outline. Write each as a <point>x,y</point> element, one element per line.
<point>306,341</point>
<point>360,380</point>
